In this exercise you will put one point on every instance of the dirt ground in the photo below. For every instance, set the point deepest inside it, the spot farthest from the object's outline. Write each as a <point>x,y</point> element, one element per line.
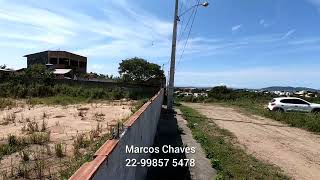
<point>295,151</point>
<point>64,123</point>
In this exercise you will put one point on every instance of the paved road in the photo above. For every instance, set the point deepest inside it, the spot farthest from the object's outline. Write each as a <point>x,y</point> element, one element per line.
<point>295,151</point>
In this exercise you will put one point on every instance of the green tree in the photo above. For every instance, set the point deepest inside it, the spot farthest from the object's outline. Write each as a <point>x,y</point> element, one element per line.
<point>139,70</point>
<point>38,71</point>
<point>36,74</point>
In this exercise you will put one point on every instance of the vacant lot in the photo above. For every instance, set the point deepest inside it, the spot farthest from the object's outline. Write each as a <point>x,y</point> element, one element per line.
<point>34,140</point>
<point>295,151</point>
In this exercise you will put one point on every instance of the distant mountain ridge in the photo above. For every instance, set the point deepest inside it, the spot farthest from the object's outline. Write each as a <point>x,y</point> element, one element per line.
<point>289,89</point>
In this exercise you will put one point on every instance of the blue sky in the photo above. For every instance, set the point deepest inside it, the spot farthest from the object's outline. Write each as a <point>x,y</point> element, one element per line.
<point>240,43</point>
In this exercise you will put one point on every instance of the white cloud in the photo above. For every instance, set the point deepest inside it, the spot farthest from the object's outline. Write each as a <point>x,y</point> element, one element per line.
<point>306,41</point>
<point>263,23</point>
<point>315,2</point>
<point>289,33</point>
<point>121,30</point>
<point>236,28</point>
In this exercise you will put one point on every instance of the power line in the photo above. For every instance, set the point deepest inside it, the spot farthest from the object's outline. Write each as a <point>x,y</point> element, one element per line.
<point>186,26</point>
<point>186,42</point>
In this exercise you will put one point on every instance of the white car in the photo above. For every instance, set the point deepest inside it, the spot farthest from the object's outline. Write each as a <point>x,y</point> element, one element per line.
<point>286,104</point>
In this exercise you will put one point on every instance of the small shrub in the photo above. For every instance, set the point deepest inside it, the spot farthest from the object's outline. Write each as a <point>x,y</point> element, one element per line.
<point>81,113</point>
<point>81,141</point>
<point>24,155</point>
<point>44,115</point>
<point>23,171</point>
<point>4,103</point>
<point>39,168</point>
<point>39,137</point>
<point>31,127</point>
<point>44,126</point>
<point>94,133</point>
<point>48,150</point>
<point>99,116</point>
<point>59,150</point>
<point>9,119</point>
<point>12,140</point>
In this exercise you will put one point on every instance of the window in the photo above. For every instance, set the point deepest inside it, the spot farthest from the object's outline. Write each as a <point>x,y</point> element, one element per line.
<point>63,61</point>
<point>53,60</point>
<point>287,101</point>
<point>298,101</point>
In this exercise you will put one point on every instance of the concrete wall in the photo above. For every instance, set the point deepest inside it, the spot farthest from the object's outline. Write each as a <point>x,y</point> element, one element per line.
<point>140,130</point>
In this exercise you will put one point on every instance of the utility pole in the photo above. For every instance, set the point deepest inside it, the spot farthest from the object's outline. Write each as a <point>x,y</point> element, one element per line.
<point>173,57</point>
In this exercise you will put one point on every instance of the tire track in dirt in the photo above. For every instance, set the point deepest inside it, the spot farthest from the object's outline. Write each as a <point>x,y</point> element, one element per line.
<point>295,151</point>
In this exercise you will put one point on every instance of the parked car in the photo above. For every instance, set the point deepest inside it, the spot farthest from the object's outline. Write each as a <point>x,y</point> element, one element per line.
<point>286,104</point>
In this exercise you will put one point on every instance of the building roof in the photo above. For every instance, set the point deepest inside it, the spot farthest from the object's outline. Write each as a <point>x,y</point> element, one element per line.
<point>52,51</point>
<point>7,70</point>
<point>61,71</point>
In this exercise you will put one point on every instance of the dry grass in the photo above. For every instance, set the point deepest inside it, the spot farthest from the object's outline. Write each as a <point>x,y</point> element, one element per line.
<point>47,143</point>
<point>9,119</point>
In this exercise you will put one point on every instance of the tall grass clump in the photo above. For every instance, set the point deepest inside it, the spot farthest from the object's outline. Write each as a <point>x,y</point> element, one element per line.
<point>13,145</point>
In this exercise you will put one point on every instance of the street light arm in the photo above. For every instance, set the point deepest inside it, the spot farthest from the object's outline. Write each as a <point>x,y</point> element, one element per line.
<point>205,4</point>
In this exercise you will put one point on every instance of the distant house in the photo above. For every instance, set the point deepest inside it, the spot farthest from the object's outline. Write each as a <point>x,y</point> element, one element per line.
<point>59,60</point>
<point>4,73</point>
<point>301,93</point>
<point>200,95</point>
<point>282,93</point>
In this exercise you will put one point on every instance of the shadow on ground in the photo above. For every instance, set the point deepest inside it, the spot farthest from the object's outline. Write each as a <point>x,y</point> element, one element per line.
<point>168,134</point>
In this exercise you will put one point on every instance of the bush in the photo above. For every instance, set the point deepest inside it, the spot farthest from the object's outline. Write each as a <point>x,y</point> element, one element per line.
<point>59,150</point>
<point>39,138</point>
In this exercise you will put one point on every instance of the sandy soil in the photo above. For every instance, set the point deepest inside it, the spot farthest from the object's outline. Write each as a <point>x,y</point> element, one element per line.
<point>295,151</point>
<point>63,122</point>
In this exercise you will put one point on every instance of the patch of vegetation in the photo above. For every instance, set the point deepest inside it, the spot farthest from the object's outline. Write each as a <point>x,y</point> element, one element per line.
<point>13,145</point>
<point>39,138</point>
<point>139,104</point>
<point>8,119</point>
<point>58,100</point>
<point>231,161</point>
<point>255,103</point>
<point>81,141</point>
<point>72,165</point>
<point>4,103</point>
<point>58,148</point>
<point>37,84</point>
<point>24,156</point>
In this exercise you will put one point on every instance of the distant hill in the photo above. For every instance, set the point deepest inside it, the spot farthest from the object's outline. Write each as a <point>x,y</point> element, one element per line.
<point>289,89</point>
